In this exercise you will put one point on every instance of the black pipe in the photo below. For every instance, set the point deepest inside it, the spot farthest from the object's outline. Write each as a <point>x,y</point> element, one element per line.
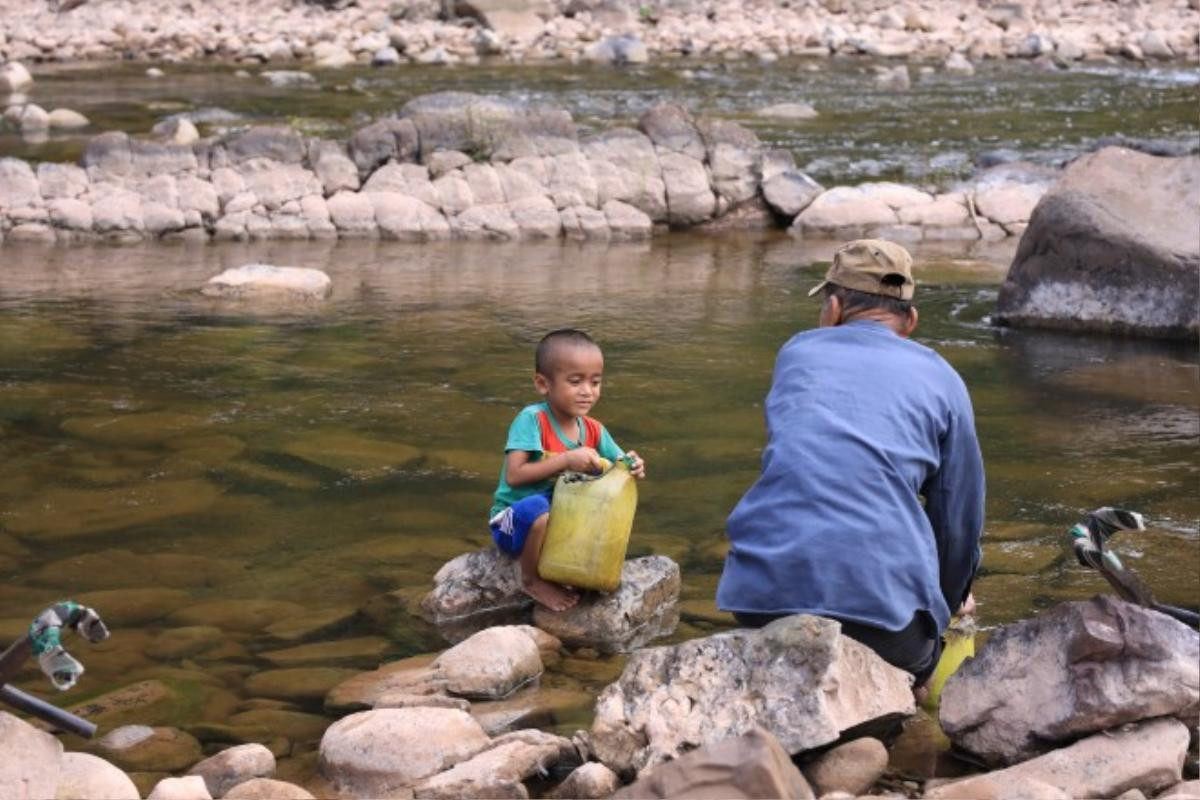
<point>1190,618</point>
<point>63,720</point>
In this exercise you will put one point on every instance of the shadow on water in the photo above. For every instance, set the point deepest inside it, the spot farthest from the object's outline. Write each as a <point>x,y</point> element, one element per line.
<point>202,471</point>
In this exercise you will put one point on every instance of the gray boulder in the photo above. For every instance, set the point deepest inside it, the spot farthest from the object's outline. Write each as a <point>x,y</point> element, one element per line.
<point>625,167</point>
<point>474,591</point>
<point>734,157</point>
<point>490,664</point>
<point>382,141</point>
<point>1079,668</point>
<point>275,143</point>
<point>790,192</point>
<point>490,127</point>
<point>644,607</point>
<point>671,128</point>
<point>798,677</point>
<point>1113,247</point>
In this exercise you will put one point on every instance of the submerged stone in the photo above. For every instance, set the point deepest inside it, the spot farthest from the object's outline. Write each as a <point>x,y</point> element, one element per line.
<point>353,453</point>
<point>363,651</point>
<point>301,684</point>
<point>142,748</point>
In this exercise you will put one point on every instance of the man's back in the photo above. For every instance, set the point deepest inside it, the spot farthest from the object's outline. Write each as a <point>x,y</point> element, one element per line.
<point>861,422</point>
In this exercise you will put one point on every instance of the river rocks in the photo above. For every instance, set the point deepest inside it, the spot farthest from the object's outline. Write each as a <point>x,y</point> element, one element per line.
<point>30,767</point>
<point>1112,248</point>
<point>625,49</point>
<point>499,769</point>
<point>852,767</point>
<point>751,765</point>
<point>413,675</point>
<point>235,765</point>
<point>476,590</point>
<point>591,781</point>
<point>264,280</point>
<point>66,119</point>
<point>380,141</point>
<point>491,664</point>
<point>1079,668</point>
<point>376,753</point>
<point>140,748</point>
<point>488,126</point>
<point>14,78</point>
<point>83,776</point>
<point>1148,756</point>
<point>267,789</point>
<point>190,787</point>
<point>790,111</point>
<point>644,607</point>
<point>842,210</point>
<point>300,684</point>
<point>797,677</point>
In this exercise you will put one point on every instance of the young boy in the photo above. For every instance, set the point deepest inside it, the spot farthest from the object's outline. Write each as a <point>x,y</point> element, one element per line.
<point>544,440</point>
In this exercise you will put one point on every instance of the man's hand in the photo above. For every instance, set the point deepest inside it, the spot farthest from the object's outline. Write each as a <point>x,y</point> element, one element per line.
<point>968,606</point>
<point>583,459</point>
<point>638,467</point>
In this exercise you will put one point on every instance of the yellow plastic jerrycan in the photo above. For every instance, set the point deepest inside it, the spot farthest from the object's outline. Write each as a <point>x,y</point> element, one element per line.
<point>958,644</point>
<point>591,518</point>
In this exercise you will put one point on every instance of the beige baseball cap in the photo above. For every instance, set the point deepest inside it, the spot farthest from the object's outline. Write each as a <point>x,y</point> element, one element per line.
<point>875,266</point>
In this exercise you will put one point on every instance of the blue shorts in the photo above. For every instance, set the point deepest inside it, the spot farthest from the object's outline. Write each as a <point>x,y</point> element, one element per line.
<point>511,526</point>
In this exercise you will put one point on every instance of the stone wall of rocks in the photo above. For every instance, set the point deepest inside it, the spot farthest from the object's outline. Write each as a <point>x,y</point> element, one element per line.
<point>389,32</point>
<point>456,165</point>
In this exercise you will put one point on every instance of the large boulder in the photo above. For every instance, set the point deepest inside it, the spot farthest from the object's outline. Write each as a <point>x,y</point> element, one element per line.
<point>489,127</point>
<point>798,677</point>
<point>83,776</point>
<point>1079,668</point>
<point>384,140</point>
<point>381,752</point>
<point>474,591</point>
<point>644,607</point>
<point>1147,757</point>
<point>1113,247</point>
<point>734,156</point>
<point>29,769</point>
<point>749,766</point>
<point>490,664</point>
<point>625,167</point>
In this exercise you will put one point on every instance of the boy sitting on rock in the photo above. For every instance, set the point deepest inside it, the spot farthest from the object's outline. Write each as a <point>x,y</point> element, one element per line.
<point>545,440</point>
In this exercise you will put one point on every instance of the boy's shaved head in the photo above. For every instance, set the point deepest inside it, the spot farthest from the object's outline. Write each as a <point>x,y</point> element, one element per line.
<point>553,343</point>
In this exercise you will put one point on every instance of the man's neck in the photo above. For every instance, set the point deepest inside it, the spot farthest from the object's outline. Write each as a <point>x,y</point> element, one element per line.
<point>891,321</point>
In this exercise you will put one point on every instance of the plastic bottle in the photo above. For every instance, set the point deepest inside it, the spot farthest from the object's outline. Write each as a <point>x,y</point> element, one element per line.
<point>591,518</point>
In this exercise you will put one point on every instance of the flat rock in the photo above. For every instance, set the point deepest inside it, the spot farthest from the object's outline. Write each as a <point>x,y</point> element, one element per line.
<point>1079,668</point>
<point>644,607</point>
<point>362,651</point>
<point>352,453</point>
<point>140,748</point>
<point>295,725</point>
<point>128,608</point>
<point>30,768</point>
<point>474,591</point>
<point>265,280</point>
<point>787,111</point>
<point>1112,248</point>
<point>410,676</point>
<point>790,192</point>
<point>234,765</point>
<point>83,776</point>
<point>377,753</point>
<point>1148,756</point>
<point>798,677</point>
<point>531,707</point>
<point>248,615</point>
<point>751,765</point>
<point>498,770</point>
<point>300,683</point>
<point>490,664</point>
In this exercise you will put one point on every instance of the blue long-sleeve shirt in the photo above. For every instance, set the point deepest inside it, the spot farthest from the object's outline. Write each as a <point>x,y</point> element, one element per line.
<point>860,424</point>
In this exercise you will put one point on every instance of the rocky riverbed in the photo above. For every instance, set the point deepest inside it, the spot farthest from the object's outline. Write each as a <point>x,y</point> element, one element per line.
<point>391,32</point>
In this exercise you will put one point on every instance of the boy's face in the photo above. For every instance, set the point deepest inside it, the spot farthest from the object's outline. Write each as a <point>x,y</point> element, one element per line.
<point>573,386</point>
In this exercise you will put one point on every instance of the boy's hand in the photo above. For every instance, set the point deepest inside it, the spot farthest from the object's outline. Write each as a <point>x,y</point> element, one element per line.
<point>638,468</point>
<point>583,459</point>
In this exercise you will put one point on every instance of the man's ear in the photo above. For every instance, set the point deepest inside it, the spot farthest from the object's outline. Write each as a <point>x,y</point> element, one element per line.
<point>541,383</point>
<point>831,312</point>
<point>910,322</point>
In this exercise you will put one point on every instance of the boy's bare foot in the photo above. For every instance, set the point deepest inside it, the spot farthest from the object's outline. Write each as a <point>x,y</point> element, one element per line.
<point>550,595</point>
<point>921,693</point>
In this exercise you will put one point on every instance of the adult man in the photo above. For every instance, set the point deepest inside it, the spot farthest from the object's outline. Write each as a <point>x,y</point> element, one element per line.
<point>862,423</point>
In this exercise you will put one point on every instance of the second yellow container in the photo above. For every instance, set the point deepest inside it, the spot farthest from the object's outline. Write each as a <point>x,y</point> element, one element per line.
<point>590,522</point>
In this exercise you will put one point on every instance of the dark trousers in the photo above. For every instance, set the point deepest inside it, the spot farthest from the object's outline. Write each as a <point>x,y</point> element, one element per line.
<point>915,649</point>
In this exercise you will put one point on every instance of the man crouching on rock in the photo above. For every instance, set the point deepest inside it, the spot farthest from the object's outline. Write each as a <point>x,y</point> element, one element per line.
<point>862,423</point>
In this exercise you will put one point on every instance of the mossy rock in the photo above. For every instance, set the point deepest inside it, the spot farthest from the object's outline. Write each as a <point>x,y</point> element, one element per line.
<point>224,733</point>
<point>121,608</point>
<point>302,684</point>
<point>312,624</point>
<point>249,615</point>
<point>253,473</point>
<point>185,642</point>
<point>66,513</point>
<point>141,748</point>
<point>295,725</point>
<point>114,569</point>
<point>592,671</point>
<point>362,651</point>
<point>163,701</point>
<point>473,462</point>
<point>352,453</point>
<point>535,706</point>
<point>138,429</point>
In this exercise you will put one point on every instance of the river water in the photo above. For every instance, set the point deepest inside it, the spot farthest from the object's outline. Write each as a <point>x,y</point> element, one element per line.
<point>200,472</point>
